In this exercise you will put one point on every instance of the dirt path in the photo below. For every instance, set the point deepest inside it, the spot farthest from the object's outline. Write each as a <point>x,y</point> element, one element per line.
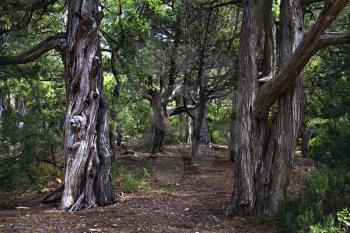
<point>180,198</point>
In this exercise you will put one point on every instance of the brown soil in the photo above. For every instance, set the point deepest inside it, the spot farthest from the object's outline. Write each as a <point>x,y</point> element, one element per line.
<point>178,197</point>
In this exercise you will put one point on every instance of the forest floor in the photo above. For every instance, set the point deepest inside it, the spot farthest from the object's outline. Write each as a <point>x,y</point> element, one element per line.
<point>172,196</point>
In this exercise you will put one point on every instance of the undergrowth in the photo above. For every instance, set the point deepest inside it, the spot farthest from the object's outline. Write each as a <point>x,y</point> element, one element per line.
<point>128,182</point>
<point>322,209</point>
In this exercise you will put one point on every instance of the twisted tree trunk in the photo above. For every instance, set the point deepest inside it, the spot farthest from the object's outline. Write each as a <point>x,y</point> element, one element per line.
<point>273,178</point>
<point>263,155</point>
<point>153,140</point>
<point>88,159</point>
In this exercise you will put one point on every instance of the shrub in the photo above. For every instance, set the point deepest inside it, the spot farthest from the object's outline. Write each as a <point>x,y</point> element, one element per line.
<point>315,212</point>
<point>331,144</point>
<point>128,182</point>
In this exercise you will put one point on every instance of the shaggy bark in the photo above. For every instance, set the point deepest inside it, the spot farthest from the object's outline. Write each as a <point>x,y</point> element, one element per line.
<point>88,159</point>
<point>271,186</point>
<point>263,155</point>
<point>246,143</point>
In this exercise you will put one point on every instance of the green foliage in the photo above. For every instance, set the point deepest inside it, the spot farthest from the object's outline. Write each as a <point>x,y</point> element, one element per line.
<point>276,8</point>
<point>175,130</point>
<point>169,190</point>
<point>315,212</point>
<point>330,226</point>
<point>131,184</point>
<point>33,138</point>
<point>145,172</point>
<point>219,117</point>
<point>128,182</point>
<point>344,217</point>
<point>133,113</point>
<point>331,145</point>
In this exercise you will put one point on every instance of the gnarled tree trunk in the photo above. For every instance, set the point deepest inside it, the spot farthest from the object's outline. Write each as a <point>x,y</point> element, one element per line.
<point>153,140</point>
<point>280,152</point>
<point>87,180</point>
<point>263,155</point>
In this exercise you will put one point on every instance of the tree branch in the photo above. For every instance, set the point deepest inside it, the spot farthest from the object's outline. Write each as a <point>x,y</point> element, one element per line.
<point>181,109</point>
<point>274,88</point>
<point>305,3</point>
<point>54,42</point>
<point>334,38</point>
<point>211,6</point>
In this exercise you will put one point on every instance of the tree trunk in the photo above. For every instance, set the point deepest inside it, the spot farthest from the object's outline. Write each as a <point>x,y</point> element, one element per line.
<point>263,158</point>
<point>281,146</point>
<point>20,103</point>
<point>306,136</point>
<point>153,140</point>
<point>247,143</point>
<point>113,136</point>
<point>197,126</point>
<point>2,107</point>
<point>188,129</point>
<point>86,145</point>
<point>21,110</point>
<point>231,132</point>
<point>204,138</point>
<point>12,100</point>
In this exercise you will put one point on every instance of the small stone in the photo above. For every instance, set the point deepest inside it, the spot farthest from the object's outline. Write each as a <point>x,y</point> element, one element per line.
<point>215,219</point>
<point>95,230</point>
<point>187,209</point>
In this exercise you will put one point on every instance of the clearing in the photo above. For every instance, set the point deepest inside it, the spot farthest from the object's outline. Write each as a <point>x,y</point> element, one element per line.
<point>173,196</point>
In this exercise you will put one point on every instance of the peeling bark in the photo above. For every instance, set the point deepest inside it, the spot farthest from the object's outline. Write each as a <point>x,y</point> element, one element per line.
<point>86,145</point>
<point>263,155</point>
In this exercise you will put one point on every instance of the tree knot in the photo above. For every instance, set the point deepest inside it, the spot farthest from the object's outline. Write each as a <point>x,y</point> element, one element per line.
<point>78,122</point>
